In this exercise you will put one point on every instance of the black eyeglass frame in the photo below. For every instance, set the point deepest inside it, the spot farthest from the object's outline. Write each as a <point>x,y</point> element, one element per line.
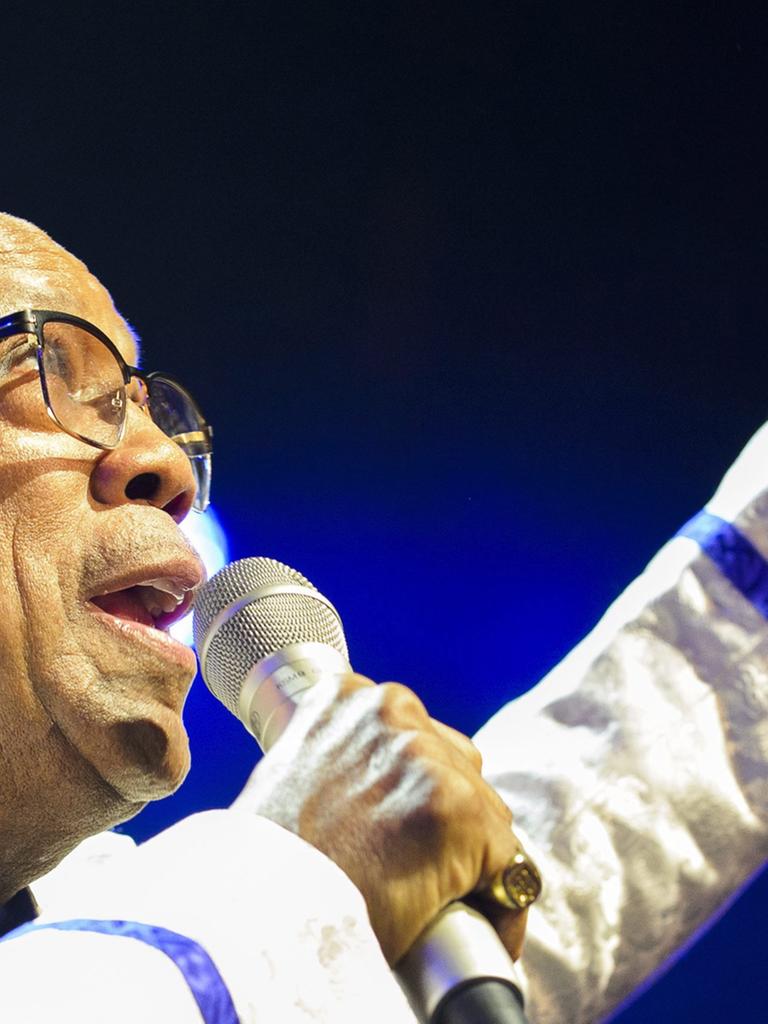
<point>32,321</point>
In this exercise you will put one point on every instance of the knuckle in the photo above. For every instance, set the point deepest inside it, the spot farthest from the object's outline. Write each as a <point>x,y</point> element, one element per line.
<point>399,705</point>
<point>467,800</point>
<point>351,683</point>
<point>470,751</point>
<point>414,748</point>
<point>443,804</point>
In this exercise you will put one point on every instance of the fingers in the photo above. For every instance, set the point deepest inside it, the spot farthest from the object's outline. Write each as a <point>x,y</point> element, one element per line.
<point>467,749</point>
<point>462,743</point>
<point>510,924</point>
<point>402,708</point>
<point>406,700</point>
<point>422,826</point>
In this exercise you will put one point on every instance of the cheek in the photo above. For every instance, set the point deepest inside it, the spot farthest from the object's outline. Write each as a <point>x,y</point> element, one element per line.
<point>43,533</point>
<point>44,476</point>
<point>38,608</point>
<point>44,523</point>
<point>41,552</point>
<point>34,624</point>
<point>22,406</point>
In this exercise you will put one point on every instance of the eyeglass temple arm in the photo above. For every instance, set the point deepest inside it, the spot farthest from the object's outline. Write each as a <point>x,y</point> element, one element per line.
<point>191,437</point>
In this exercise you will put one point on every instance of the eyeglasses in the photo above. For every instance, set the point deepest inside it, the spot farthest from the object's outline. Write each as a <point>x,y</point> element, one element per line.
<point>85,382</point>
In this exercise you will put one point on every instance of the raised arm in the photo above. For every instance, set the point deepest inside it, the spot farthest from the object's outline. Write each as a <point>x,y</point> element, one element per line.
<point>638,768</point>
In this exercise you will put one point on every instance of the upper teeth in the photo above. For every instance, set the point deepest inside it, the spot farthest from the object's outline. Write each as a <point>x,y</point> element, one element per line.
<point>161,596</point>
<point>168,586</point>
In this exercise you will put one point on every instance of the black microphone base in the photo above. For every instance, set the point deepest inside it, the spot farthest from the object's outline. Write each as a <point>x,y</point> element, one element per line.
<point>481,1001</point>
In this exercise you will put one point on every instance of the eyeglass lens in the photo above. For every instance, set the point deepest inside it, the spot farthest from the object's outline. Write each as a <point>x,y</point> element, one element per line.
<point>176,414</point>
<point>84,383</point>
<point>86,392</point>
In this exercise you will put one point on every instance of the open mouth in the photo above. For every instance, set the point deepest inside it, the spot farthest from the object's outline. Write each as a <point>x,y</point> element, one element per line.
<point>157,603</point>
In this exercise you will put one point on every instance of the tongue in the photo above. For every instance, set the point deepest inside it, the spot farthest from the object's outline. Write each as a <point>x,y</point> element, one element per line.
<point>125,604</point>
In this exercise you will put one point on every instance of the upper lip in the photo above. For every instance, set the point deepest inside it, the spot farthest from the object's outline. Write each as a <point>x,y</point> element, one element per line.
<point>185,572</point>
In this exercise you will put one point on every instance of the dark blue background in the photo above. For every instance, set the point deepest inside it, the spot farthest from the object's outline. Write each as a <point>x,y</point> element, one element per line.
<point>474,295</point>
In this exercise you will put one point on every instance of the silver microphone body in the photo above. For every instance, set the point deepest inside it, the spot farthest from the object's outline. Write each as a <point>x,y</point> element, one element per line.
<point>265,636</point>
<point>275,685</point>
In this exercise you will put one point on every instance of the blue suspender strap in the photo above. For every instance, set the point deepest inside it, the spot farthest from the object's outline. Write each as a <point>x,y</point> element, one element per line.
<point>199,971</point>
<point>733,554</point>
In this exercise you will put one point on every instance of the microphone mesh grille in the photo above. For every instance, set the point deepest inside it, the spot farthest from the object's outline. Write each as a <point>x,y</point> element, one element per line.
<point>265,625</point>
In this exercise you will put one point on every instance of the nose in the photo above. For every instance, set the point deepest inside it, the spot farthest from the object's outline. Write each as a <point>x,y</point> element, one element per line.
<point>146,468</point>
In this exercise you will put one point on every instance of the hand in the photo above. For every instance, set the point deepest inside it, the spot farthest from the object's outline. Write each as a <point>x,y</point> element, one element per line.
<point>395,798</point>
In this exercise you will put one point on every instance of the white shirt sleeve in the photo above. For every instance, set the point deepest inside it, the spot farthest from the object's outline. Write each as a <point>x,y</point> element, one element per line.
<point>638,769</point>
<point>285,929</point>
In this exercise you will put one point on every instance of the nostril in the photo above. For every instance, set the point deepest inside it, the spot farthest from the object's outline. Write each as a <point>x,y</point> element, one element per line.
<point>143,486</point>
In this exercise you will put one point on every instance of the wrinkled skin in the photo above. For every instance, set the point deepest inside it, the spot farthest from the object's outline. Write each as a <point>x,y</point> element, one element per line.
<point>90,725</point>
<point>395,798</point>
<point>90,720</point>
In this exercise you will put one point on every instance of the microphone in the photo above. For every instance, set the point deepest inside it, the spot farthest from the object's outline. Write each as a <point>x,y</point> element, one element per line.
<point>265,635</point>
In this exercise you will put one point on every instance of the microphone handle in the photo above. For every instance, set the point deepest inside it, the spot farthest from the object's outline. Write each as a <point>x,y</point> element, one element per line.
<point>457,971</point>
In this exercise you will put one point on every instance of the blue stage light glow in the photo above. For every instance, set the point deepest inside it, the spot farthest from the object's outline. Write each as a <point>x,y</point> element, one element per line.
<point>206,535</point>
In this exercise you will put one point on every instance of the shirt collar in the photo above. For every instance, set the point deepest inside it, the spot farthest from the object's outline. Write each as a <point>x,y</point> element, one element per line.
<point>20,909</point>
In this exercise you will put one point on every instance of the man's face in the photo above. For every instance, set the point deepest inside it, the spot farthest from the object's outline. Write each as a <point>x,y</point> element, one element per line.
<point>82,672</point>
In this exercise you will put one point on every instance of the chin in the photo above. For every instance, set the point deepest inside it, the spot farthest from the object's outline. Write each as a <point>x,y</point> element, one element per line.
<point>150,759</point>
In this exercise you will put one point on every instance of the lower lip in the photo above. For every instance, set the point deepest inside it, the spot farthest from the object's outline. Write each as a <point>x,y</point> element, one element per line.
<point>160,642</point>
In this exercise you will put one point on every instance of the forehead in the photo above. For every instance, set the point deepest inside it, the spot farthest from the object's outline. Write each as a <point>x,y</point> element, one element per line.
<point>36,273</point>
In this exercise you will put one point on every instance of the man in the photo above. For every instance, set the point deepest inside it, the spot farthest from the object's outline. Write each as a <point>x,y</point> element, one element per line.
<point>93,567</point>
<point>637,770</point>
